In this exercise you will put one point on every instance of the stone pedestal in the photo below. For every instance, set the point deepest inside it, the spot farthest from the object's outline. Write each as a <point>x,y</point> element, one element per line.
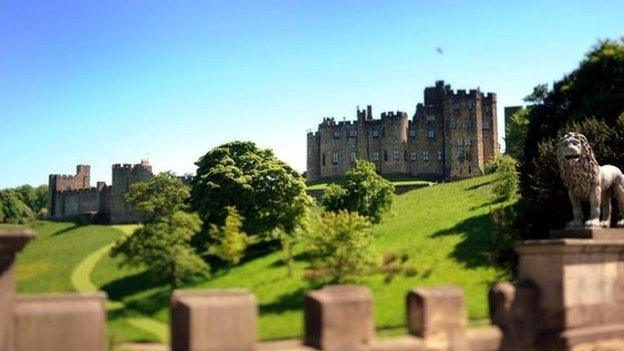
<point>220,320</point>
<point>339,318</point>
<point>11,242</point>
<point>580,284</point>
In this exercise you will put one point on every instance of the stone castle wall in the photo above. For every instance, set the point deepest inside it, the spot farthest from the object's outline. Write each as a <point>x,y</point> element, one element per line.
<point>72,197</point>
<point>451,135</point>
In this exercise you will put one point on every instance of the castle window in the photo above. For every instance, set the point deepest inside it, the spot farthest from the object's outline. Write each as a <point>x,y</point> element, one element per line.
<point>468,142</point>
<point>375,133</point>
<point>353,134</point>
<point>455,106</point>
<point>396,155</point>
<point>385,155</point>
<point>439,155</point>
<point>413,156</point>
<point>460,153</point>
<point>335,158</point>
<point>353,156</point>
<point>425,156</point>
<point>404,155</point>
<point>336,134</point>
<point>471,106</point>
<point>431,134</point>
<point>376,156</point>
<point>469,169</point>
<point>469,123</point>
<point>453,124</point>
<point>486,125</point>
<point>323,159</point>
<point>460,142</point>
<point>431,118</point>
<point>412,133</point>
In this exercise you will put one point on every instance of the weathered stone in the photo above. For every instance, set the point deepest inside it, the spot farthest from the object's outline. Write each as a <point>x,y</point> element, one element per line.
<point>514,311</point>
<point>11,242</point>
<point>485,339</point>
<point>339,318</point>
<point>220,320</point>
<point>438,315</point>
<point>71,322</point>
<point>588,233</point>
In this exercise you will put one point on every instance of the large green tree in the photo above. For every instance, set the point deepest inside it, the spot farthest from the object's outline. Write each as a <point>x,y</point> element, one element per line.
<point>163,243</point>
<point>590,100</point>
<point>13,209</point>
<point>363,191</point>
<point>266,192</point>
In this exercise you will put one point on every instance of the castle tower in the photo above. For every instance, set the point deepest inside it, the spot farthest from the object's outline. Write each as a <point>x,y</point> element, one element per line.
<point>124,176</point>
<point>64,182</point>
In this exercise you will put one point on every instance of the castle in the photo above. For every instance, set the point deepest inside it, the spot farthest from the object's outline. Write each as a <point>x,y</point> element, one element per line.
<point>72,197</point>
<point>451,135</point>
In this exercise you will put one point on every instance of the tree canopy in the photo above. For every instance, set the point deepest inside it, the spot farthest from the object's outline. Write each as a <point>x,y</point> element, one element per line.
<point>266,192</point>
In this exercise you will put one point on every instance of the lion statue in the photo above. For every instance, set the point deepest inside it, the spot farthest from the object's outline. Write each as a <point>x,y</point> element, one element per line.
<point>587,181</point>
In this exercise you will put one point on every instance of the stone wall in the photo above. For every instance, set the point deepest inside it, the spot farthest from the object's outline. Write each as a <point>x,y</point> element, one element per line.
<point>124,176</point>
<point>451,135</point>
<point>63,182</point>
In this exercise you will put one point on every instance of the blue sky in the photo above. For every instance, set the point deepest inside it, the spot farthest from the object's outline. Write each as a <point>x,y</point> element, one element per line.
<point>103,82</point>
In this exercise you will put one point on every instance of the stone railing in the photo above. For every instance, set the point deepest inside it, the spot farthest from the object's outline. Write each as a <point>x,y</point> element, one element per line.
<point>570,297</point>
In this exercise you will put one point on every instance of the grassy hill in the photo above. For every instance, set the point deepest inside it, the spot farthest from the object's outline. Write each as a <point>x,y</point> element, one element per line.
<point>444,230</point>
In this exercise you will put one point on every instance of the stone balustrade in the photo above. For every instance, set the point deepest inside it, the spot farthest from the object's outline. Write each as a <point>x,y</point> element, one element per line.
<point>569,297</point>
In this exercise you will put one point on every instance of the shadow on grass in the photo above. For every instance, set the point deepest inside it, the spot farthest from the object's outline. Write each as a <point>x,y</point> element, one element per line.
<point>479,185</point>
<point>477,242</point>
<point>286,302</point>
<point>68,229</point>
<point>131,284</point>
<point>490,203</point>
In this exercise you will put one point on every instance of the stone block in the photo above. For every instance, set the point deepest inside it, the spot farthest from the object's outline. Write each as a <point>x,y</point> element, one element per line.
<point>73,322</point>
<point>220,320</point>
<point>588,233</point>
<point>514,310</point>
<point>438,315</point>
<point>339,318</point>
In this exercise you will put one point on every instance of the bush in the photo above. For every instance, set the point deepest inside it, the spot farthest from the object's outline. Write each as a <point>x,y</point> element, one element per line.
<point>364,191</point>
<point>12,209</point>
<point>506,179</point>
<point>232,240</point>
<point>339,247</point>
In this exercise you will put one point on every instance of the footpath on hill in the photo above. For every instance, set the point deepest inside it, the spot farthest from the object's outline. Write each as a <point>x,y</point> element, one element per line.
<point>81,280</point>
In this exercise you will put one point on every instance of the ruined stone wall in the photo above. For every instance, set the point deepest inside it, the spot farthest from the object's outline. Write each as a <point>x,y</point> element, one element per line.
<point>71,203</point>
<point>313,154</point>
<point>491,147</point>
<point>123,177</point>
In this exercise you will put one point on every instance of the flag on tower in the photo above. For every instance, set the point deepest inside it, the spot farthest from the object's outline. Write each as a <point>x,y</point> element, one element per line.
<point>439,50</point>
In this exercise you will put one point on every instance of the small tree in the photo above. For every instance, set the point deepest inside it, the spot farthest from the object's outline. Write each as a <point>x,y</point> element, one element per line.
<point>163,243</point>
<point>506,179</point>
<point>232,240</point>
<point>517,130</point>
<point>14,210</point>
<point>340,247</point>
<point>164,248</point>
<point>364,191</point>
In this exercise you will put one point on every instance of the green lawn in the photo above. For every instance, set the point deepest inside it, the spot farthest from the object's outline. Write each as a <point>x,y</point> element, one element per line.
<point>444,230</point>
<point>398,181</point>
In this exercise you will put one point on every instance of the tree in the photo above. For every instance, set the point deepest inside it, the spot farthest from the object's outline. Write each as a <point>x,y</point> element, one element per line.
<point>505,182</point>
<point>266,192</point>
<point>540,92</point>
<point>590,98</point>
<point>363,191</point>
<point>164,248</point>
<point>516,134</point>
<point>14,210</point>
<point>159,197</point>
<point>339,247</point>
<point>232,240</point>
<point>163,243</point>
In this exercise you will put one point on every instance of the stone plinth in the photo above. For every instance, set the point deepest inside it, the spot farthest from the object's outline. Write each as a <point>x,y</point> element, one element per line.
<point>71,322</point>
<point>339,318</point>
<point>221,320</point>
<point>588,233</point>
<point>10,243</point>
<point>580,284</point>
<point>438,315</point>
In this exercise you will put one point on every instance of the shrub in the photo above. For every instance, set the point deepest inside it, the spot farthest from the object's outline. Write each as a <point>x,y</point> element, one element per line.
<point>339,247</point>
<point>506,179</point>
<point>232,240</point>
<point>363,191</point>
<point>12,209</point>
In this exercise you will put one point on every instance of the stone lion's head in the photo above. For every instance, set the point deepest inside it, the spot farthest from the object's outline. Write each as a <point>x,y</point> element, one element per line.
<point>577,163</point>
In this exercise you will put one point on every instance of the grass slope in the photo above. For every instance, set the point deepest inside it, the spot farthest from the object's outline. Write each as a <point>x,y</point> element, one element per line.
<point>444,229</point>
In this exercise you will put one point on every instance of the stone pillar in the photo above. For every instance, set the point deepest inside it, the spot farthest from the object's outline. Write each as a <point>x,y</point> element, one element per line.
<point>580,283</point>
<point>514,310</point>
<point>438,315</point>
<point>220,320</point>
<point>72,322</point>
<point>339,318</point>
<point>10,243</point>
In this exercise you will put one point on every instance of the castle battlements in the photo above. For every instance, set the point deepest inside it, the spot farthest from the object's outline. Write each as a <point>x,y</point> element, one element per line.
<point>445,128</point>
<point>79,191</point>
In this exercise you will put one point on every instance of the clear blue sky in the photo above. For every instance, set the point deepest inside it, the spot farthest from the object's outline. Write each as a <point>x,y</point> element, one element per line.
<point>103,82</point>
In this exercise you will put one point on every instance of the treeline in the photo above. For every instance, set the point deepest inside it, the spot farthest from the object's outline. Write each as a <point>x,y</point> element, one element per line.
<point>23,204</point>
